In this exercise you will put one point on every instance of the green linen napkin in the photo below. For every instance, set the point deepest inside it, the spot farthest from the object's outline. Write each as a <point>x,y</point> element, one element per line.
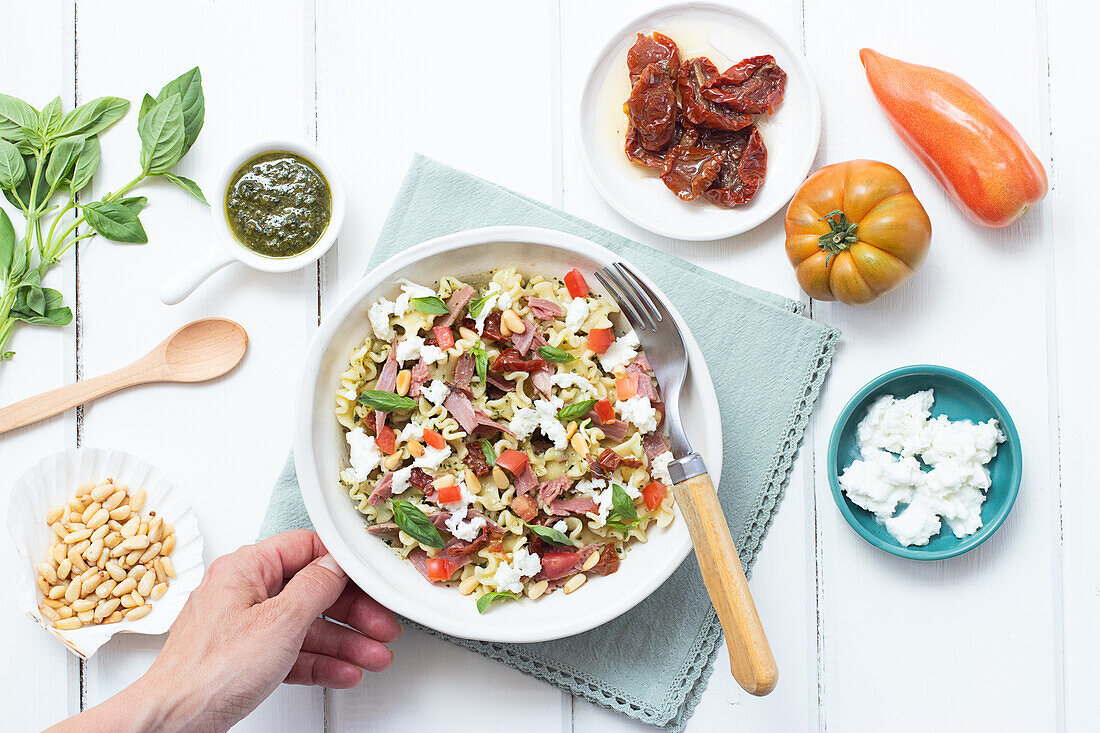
<point>768,363</point>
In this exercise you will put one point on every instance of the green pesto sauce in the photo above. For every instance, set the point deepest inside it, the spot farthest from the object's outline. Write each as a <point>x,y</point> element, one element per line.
<point>278,204</point>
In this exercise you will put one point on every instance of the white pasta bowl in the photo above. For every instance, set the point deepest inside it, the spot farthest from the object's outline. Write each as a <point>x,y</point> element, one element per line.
<point>320,450</point>
<point>53,481</point>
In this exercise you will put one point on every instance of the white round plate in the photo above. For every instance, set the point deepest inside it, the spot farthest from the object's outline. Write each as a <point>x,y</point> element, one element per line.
<point>725,35</point>
<point>320,450</point>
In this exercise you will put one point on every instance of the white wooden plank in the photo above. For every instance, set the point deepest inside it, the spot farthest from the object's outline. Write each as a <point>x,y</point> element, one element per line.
<point>224,442</point>
<point>783,578</point>
<point>430,77</point>
<point>969,642</point>
<point>37,67</point>
<point>1073,54</point>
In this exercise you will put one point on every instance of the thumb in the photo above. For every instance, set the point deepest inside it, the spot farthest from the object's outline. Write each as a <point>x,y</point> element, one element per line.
<point>312,590</point>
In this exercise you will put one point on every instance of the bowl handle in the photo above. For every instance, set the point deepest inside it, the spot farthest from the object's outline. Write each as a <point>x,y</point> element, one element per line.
<point>184,282</point>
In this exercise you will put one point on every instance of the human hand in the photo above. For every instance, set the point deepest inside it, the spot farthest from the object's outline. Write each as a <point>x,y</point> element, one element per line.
<point>254,622</point>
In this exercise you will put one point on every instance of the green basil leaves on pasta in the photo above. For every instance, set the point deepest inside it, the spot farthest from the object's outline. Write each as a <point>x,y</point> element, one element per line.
<point>481,361</point>
<point>556,355</point>
<point>577,410</point>
<point>551,535</point>
<point>415,523</point>
<point>489,598</point>
<point>489,451</point>
<point>377,399</point>
<point>476,306</point>
<point>432,305</point>
<point>623,514</point>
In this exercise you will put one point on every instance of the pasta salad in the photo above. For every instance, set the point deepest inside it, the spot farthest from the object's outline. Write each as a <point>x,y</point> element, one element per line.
<point>502,437</point>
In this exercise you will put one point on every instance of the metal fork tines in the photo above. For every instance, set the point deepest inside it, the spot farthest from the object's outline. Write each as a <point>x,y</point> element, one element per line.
<point>660,338</point>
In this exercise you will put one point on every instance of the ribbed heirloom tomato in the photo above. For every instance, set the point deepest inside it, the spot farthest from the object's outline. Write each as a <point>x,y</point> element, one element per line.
<point>855,231</point>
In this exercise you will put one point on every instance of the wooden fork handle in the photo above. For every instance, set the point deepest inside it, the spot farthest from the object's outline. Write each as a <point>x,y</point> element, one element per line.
<point>58,400</point>
<point>751,657</point>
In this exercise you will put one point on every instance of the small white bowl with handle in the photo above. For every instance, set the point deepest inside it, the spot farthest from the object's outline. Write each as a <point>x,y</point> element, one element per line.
<point>227,249</point>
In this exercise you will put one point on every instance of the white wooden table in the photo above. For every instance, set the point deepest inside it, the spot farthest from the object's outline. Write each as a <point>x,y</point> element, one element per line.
<point>1004,638</point>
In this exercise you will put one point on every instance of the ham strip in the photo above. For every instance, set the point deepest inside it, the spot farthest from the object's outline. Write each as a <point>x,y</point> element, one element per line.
<point>419,560</point>
<point>464,371</point>
<point>543,308</point>
<point>642,362</point>
<point>523,340</point>
<point>526,480</point>
<point>387,381</point>
<point>461,410</point>
<point>504,385</point>
<point>549,490</point>
<point>486,425</point>
<point>654,444</point>
<point>383,491</point>
<point>542,382</point>
<point>383,528</point>
<point>420,377</point>
<point>564,507</point>
<point>645,384</point>
<point>455,304</point>
<point>615,430</point>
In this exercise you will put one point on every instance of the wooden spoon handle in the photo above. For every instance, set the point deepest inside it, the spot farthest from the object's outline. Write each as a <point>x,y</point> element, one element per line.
<point>58,400</point>
<point>751,658</point>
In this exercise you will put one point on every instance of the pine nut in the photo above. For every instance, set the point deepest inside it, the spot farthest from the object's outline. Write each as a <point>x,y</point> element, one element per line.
<point>74,537</point>
<point>499,477</point>
<point>72,592</point>
<point>140,612</point>
<point>121,513</point>
<point>158,590</point>
<point>100,533</point>
<point>86,617</point>
<point>89,513</point>
<point>404,381</point>
<point>137,598</point>
<point>106,608</point>
<point>43,585</point>
<point>415,449</point>
<point>169,568</point>
<point>473,483</point>
<point>131,527</point>
<point>98,519</point>
<point>68,624</point>
<point>59,551</point>
<point>54,514</point>
<point>571,429</point>
<point>126,586</point>
<point>467,334</point>
<point>57,592</point>
<point>137,542</point>
<point>158,568</point>
<point>83,604</point>
<point>149,554</point>
<point>127,601</point>
<point>148,580</point>
<point>92,583</point>
<point>168,545</point>
<point>137,572</point>
<point>114,618</point>
<point>102,491</point>
<point>85,487</point>
<point>591,561</point>
<point>105,588</point>
<point>156,529</point>
<point>514,322</point>
<point>59,530</point>
<point>65,612</point>
<point>535,590</point>
<point>113,540</point>
<point>575,582</point>
<point>49,613</point>
<point>505,331</point>
<point>93,551</point>
<point>443,482</point>
<point>114,501</point>
<point>101,561</point>
<point>53,603</point>
<point>49,573</point>
<point>81,546</point>
<point>579,445</point>
<point>137,500</point>
<point>143,528</point>
<point>132,558</point>
<point>391,461</point>
<point>468,585</point>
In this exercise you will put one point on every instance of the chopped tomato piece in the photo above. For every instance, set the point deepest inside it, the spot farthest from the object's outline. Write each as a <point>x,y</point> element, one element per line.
<point>434,439</point>
<point>576,283</point>
<point>626,386</point>
<point>599,339</point>
<point>440,569</point>
<point>559,564</point>
<point>444,337</point>
<point>386,440</point>
<point>449,494</point>
<point>525,507</point>
<point>654,494</point>
<point>513,461</point>
<point>605,411</point>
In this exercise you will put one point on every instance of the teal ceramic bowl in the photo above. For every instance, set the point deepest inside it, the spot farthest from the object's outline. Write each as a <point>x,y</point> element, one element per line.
<point>960,397</point>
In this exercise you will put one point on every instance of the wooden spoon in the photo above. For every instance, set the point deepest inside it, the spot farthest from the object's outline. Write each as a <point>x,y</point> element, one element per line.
<point>197,352</point>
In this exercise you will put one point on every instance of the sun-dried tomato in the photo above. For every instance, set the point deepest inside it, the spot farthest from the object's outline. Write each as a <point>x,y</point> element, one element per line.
<point>690,169</point>
<point>695,75</point>
<point>609,459</point>
<point>754,85</point>
<point>510,360</point>
<point>420,479</point>
<point>656,48</point>
<point>744,162</point>
<point>652,108</point>
<point>648,158</point>
<point>475,458</point>
<point>608,562</point>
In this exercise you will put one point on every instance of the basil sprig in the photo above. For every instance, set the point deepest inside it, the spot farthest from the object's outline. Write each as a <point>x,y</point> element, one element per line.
<point>556,355</point>
<point>551,535</point>
<point>489,451</point>
<point>377,399</point>
<point>415,523</point>
<point>577,410</point>
<point>623,514</point>
<point>476,305</point>
<point>481,361</point>
<point>432,305</point>
<point>487,600</point>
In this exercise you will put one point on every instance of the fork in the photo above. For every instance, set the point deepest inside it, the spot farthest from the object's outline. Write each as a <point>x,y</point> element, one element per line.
<point>751,659</point>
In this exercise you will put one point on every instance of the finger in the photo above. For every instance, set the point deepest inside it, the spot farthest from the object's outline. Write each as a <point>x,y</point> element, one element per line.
<point>358,610</point>
<point>334,640</point>
<point>312,589</point>
<point>281,556</point>
<point>317,669</point>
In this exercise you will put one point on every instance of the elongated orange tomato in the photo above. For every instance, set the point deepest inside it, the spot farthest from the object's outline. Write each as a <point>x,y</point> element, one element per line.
<point>971,149</point>
<point>855,231</point>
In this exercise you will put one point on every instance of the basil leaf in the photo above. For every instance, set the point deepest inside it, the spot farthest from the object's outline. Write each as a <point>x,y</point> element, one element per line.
<point>415,523</point>
<point>162,136</point>
<point>489,598</point>
<point>52,312</point>
<point>188,86</point>
<point>62,160</point>
<point>133,203</point>
<point>187,185</point>
<point>476,306</point>
<point>376,399</point>
<point>116,221</point>
<point>556,355</point>
<point>577,410</point>
<point>87,162</point>
<point>50,117</point>
<point>481,362</point>
<point>7,244</point>
<point>431,305</point>
<point>622,504</point>
<point>30,165</point>
<point>551,535</point>
<point>18,119</point>
<point>12,168</point>
<point>93,117</point>
<point>489,451</point>
<point>147,103</point>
